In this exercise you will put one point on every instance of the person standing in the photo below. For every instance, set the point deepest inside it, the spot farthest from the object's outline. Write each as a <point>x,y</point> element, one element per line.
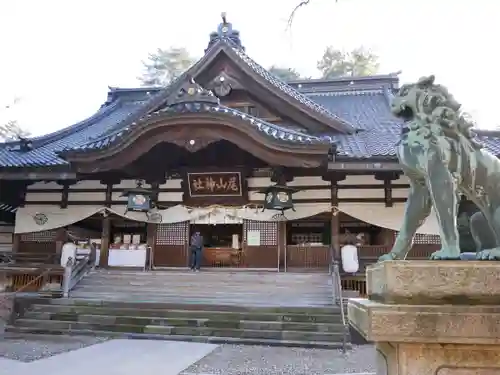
<point>196,248</point>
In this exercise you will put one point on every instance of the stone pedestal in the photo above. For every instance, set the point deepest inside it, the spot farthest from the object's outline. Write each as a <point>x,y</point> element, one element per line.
<point>432,317</point>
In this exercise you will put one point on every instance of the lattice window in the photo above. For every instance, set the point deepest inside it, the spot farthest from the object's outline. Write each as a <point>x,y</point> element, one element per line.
<point>268,231</point>
<point>424,239</point>
<point>45,236</point>
<point>307,237</point>
<point>172,234</point>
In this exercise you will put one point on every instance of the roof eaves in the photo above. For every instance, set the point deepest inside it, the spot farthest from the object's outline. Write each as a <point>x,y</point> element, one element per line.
<point>164,93</point>
<point>57,135</point>
<point>272,130</point>
<point>235,52</point>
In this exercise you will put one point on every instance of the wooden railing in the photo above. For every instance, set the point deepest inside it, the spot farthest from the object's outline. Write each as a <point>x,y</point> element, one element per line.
<point>77,269</point>
<point>355,283</point>
<point>7,295</point>
<point>337,295</point>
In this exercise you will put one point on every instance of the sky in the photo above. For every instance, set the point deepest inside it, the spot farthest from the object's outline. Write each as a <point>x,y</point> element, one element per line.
<point>59,56</point>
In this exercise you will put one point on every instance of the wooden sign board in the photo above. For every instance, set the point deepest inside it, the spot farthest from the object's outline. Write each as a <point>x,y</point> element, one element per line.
<point>216,188</point>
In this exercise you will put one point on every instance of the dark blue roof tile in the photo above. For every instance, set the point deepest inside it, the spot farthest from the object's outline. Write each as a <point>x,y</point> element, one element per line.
<point>271,130</point>
<point>45,149</point>
<point>284,87</point>
<point>366,110</point>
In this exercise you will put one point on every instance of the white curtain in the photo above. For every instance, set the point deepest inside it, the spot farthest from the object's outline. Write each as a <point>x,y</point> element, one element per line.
<point>42,218</point>
<point>386,217</point>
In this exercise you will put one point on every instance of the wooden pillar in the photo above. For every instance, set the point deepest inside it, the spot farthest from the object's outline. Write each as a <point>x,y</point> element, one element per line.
<point>335,220</point>
<point>281,176</point>
<point>108,200</point>
<point>152,228</point>
<point>151,242</point>
<point>65,196</point>
<point>16,243</point>
<point>334,179</point>
<point>106,221</point>
<point>282,245</point>
<point>387,177</point>
<point>105,241</point>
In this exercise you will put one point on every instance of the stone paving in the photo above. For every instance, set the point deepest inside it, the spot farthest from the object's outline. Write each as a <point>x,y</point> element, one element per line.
<point>81,355</point>
<point>263,360</point>
<point>115,357</point>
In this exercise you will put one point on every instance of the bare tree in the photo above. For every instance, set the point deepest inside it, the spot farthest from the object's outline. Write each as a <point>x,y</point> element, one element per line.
<point>296,8</point>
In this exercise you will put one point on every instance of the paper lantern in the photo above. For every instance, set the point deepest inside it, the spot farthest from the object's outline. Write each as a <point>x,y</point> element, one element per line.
<point>350,261</point>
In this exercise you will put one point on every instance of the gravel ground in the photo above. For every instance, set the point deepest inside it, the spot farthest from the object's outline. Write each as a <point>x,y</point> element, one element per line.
<point>30,348</point>
<point>262,360</point>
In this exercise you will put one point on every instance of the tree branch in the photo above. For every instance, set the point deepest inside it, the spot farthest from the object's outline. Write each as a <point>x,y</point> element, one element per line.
<point>299,5</point>
<point>292,15</point>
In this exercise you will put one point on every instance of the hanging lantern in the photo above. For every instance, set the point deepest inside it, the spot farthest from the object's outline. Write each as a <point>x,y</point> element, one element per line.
<point>139,198</point>
<point>278,197</point>
<point>350,261</point>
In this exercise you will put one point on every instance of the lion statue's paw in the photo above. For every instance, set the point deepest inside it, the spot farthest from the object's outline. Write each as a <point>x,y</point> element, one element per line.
<point>490,254</point>
<point>388,256</point>
<point>446,254</point>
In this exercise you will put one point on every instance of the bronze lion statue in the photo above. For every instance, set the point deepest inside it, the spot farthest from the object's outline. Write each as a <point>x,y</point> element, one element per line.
<point>438,153</point>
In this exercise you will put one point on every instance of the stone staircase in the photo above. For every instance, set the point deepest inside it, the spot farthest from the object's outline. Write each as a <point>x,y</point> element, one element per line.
<point>233,307</point>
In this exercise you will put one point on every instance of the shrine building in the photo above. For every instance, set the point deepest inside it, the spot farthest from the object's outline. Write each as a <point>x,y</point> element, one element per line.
<point>272,174</point>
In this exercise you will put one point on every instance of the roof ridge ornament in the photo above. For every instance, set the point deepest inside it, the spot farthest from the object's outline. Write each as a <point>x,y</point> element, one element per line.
<point>225,31</point>
<point>190,91</point>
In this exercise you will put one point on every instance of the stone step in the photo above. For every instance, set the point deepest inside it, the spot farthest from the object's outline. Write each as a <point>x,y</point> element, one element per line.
<point>68,326</point>
<point>215,297</point>
<point>148,310</point>
<point>200,289</point>
<point>246,308</point>
<point>206,285</point>
<point>215,321</point>
<point>215,273</point>
<point>188,306</point>
<point>203,277</point>
<point>201,339</point>
<point>227,300</point>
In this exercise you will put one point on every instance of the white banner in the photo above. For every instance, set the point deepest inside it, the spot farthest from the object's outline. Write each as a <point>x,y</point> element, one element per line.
<point>386,217</point>
<point>42,218</point>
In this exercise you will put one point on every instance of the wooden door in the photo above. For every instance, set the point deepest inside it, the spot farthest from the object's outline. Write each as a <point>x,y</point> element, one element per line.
<point>171,247</point>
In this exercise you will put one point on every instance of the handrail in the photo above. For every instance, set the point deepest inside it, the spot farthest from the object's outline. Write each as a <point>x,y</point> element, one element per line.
<point>337,297</point>
<point>7,295</point>
<point>76,269</point>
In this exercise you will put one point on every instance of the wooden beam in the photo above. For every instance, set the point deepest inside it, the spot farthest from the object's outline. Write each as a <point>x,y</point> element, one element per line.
<point>38,176</point>
<point>367,166</point>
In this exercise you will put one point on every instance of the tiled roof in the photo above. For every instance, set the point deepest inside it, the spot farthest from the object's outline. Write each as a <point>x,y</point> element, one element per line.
<point>284,87</point>
<point>273,131</point>
<point>45,149</point>
<point>369,110</point>
<point>365,106</point>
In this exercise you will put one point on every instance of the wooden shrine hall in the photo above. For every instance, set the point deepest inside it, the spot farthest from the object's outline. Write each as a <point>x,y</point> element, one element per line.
<point>273,175</point>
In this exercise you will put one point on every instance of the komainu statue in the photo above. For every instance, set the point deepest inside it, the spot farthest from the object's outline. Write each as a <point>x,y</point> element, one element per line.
<point>440,156</point>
